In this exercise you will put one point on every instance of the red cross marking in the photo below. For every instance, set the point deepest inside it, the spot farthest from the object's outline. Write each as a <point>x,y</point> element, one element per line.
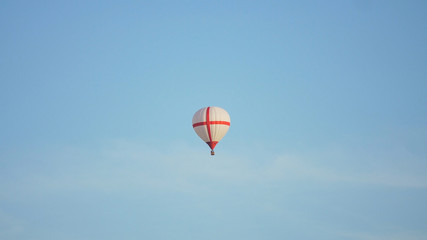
<point>208,124</point>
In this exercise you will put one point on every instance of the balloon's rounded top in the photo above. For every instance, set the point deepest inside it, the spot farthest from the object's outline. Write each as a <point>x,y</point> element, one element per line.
<point>214,112</point>
<point>211,124</point>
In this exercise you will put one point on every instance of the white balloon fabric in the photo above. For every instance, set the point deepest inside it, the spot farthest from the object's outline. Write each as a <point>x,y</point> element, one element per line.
<point>211,124</point>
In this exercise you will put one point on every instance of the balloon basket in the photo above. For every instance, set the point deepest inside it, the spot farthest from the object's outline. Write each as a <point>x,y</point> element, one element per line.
<point>212,153</point>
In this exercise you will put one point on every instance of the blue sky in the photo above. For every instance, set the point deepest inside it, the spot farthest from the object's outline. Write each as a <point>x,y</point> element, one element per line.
<point>327,101</point>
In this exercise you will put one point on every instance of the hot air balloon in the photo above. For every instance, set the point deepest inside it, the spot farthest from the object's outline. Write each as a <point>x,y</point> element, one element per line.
<point>211,124</point>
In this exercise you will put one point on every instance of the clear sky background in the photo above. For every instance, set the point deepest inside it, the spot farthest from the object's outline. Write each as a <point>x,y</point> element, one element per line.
<point>328,107</point>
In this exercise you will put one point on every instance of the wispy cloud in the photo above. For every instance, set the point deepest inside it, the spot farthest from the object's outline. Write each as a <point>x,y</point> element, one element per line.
<point>10,226</point>
<point>121,165</point>
<point>285,167</point>
<point>136,169</point>
<point>388,236</point>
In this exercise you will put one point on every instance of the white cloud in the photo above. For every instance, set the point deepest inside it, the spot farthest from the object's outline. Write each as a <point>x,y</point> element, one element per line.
<point>10,226</point>
<point>301,167</point>
<point>132,168</point>
<point>123,165</point>
<point>388,236</point>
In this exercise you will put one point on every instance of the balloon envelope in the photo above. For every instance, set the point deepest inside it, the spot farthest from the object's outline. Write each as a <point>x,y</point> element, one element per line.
<point>211,124</point>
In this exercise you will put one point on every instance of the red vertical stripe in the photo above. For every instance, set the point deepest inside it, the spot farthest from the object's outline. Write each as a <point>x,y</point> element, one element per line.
<point>208,124</point>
